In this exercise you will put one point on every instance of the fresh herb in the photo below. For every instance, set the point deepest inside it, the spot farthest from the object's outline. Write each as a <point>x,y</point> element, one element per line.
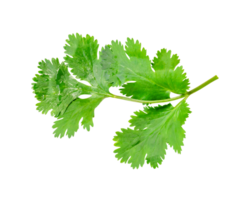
<point>141,81</point>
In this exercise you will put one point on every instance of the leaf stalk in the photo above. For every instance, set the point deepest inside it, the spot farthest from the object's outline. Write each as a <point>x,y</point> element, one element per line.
<point>186,95</point>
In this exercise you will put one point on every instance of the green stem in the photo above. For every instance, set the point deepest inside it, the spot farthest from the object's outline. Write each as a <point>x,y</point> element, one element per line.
<point>203,85</point>
<point>186,95</point>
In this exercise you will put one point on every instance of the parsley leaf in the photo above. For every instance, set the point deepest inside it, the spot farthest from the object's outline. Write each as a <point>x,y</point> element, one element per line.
<point>79,114</point>
<point>168,73</point>
<point>154,128</point>
<point>130,66</point>
<point>82,53</point>
<point>82,59</point>
<point>55,88</point>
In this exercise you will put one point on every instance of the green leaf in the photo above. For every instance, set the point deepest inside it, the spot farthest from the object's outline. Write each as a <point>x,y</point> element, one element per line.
<point>153,129</point>
<point>110,63</point>
<point>164,60</point>
<point>129,65</point>
<point>145,91</point>
<point>81,55</point>
<point>140,61</point>
<point>79,109</point>
<point>169,72</point>
<point>55,88</point>
<point>124,68</point>
<point>114,60</point>
<point>132,67</point>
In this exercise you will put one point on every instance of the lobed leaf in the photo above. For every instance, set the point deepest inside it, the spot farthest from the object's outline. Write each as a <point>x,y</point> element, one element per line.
<point>81,54</point>
<point>169,72</point>
<point>145,91</point>
<point>154,128</point>
<point>55,88</point>
<point>136,69</point>
<point>112,57</point>
<point>133,64</point>
<point>79,109</point>
<point>109,64</point>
